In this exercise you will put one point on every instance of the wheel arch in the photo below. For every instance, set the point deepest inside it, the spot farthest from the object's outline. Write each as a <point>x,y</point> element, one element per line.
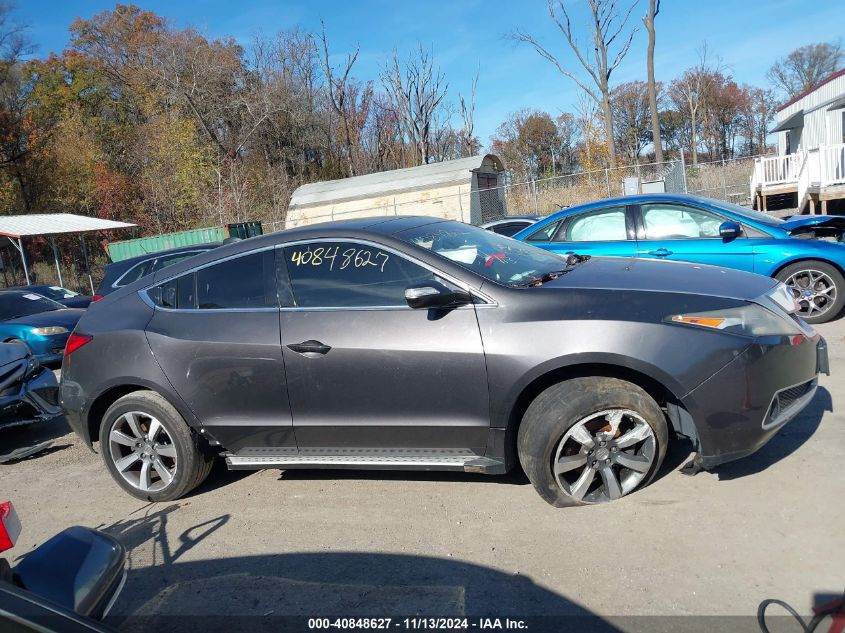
<point>99,405</point>
<point>667,397</point>
<point>807,258</point>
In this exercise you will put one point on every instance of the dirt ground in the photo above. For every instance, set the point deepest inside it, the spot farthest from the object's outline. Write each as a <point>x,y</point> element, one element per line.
<point>257,546</point>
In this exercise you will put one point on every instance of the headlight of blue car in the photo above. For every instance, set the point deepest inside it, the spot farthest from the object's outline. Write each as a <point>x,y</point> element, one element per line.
<point>51,330</point>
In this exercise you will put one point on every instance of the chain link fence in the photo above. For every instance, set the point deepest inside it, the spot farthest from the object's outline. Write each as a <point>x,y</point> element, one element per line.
<point>722,179</point>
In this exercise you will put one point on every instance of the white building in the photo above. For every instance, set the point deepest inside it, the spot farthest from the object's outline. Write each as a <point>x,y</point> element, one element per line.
<point>467,189</point>
<point>810,165</point>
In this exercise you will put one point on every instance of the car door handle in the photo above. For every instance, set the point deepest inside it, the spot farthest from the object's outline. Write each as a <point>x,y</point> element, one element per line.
<point>310,347</point>
<point>660,252</point>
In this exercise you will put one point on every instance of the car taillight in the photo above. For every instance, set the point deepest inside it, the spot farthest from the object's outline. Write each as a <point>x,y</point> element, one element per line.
<point>96,298</point>
<point>10,526</point>
<point>75,341</point>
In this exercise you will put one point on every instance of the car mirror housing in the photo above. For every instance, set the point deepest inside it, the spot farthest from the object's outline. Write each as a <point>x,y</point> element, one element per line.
<point>434,294</point>
<point>730,230</point>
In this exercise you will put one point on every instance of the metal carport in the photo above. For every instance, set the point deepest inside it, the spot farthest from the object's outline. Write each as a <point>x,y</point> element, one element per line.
<point>16,227</point>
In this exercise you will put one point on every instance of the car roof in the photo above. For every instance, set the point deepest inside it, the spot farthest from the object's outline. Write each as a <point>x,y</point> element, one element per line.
<point>172,251</point>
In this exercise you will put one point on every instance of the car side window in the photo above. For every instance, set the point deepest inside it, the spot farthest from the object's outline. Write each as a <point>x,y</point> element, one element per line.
<point>237,283</point>
<point>350,275</point>
<point>544,234</point>
<point>667,221</point>
<point>602,225</point>
<point>509,229</point>
<point>242,282</point>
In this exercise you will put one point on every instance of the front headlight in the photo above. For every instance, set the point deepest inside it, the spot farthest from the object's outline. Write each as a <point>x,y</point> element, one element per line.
<point>49,331</point>
<point>784,298</point>
<point>749,320</point>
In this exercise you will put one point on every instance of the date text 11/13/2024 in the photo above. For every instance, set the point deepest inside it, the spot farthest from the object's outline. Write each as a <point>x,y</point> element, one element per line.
<point>418,624</point>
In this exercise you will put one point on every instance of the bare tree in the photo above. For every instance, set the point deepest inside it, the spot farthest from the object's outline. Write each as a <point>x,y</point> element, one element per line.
<point>416,91</point>
<point>469,143</point>
<point>348,99</point>
<point>607,26</point>
<point>689,92</point>
<point>805,67</point>
<point>648,21</point>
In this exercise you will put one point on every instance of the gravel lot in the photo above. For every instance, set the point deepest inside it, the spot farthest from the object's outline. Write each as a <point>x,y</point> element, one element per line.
<point>345,543</point>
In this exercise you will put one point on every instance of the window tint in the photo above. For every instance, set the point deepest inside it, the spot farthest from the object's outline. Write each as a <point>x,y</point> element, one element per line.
<point>235,283</point>
<point>545,234</point>
<point>347,274</point>
<point>666,221</point>
<point>604,225</point>
<point>509,229</point>
<point>176,293</point>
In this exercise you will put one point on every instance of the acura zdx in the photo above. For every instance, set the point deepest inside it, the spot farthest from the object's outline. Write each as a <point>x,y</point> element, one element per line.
<point>418,343</point>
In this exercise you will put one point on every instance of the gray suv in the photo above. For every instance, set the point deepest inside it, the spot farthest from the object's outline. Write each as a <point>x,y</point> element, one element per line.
<point>417,343</point>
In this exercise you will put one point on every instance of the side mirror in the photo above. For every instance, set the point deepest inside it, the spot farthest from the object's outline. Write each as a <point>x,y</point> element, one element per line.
<point>433,294</point>
<point>729,230</point>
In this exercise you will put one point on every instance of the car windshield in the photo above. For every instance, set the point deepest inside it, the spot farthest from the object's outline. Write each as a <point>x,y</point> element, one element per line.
<point>57,292</point>
<point>751,214</point>
<point>498,258</point>
<point>18,304</point>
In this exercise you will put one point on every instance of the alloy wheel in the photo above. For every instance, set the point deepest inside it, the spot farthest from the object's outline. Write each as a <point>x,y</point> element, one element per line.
<point>142,451</point>
<point>604,456</point>
<point>814,291</point>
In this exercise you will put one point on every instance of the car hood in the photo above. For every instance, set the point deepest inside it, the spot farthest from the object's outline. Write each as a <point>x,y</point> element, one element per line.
<point>801,224</point>
<point>623,273</point>
<point>66,318</point>
<point>12,353</point>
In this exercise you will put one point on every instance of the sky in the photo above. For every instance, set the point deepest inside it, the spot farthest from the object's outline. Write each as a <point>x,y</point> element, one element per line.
<point>466,36</point>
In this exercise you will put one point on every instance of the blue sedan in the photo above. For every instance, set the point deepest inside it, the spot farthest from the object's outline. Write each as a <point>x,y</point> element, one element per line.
<point>39,323</point>
<point>807,253</point>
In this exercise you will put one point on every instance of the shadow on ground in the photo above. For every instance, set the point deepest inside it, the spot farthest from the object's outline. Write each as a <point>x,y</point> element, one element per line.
<point>21,437</point>
<point>788,440</point>
<point>280,592</point>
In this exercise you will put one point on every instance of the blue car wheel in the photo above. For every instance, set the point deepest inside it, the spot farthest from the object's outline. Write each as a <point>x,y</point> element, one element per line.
<point>817,287</point>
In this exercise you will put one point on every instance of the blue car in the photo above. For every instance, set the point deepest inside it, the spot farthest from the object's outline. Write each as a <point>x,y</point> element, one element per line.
<point>806,253</point>
<point>39,323</point>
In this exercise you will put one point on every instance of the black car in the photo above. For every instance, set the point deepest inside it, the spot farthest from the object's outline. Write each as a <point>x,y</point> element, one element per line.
<point>124,272</point>
<point>28,392</point>
<point>413,342</point>
<point>64,296</point>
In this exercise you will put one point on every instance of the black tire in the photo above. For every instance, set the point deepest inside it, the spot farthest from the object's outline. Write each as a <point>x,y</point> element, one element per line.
<point>831,310</point>
<point>559,408</point>
<point>192,462</point>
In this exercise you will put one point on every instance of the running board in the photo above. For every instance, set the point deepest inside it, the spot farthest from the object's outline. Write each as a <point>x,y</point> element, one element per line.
<point>466,463</point>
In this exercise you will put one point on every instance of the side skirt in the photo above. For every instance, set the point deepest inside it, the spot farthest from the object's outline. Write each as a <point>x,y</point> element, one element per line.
<point>378,459</point>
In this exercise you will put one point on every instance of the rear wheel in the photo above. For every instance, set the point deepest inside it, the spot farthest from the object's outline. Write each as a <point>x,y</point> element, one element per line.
<point>149,449</point>
<point>591,440</point>
<point>817,287</point>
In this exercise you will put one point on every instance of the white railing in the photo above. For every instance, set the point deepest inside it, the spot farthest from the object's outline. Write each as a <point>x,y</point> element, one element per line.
<point>809,166</point>
<point>771,170</point>
<point>823,166</point>
<point>831,164</point>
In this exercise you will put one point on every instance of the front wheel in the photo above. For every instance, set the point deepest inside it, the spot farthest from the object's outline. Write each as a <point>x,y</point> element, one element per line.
<point>591,440</point>
<point>817,287</point>
<point>149,450</point>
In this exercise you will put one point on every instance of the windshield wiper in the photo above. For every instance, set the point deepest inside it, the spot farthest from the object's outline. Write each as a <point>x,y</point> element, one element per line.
<point>539,280</point>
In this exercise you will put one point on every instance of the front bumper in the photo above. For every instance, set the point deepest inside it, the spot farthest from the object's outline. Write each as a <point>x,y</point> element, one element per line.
<point>35,400</point>
<point>741,407</point>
